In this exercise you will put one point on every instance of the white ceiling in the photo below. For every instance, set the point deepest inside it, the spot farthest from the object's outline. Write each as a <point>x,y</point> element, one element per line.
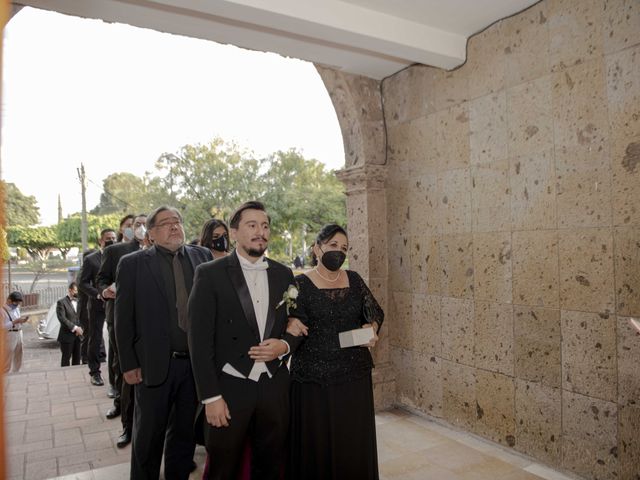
<point>375,38</point>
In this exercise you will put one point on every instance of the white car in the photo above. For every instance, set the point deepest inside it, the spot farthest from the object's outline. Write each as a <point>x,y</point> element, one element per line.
<point>49,326</point>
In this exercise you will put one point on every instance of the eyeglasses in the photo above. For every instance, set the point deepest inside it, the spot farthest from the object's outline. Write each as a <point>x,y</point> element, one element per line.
<point>175,223</point>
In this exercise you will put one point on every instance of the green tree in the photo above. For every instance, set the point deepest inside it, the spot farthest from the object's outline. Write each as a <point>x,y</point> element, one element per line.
<point>20,209</point>
<point>68,231</point>
<point>302,196</point>
<point>37,241</point>
<point>205,180</point>
<point>122,193</point>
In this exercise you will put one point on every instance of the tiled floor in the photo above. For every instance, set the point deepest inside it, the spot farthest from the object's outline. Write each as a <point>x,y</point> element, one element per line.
<point>56,429</point>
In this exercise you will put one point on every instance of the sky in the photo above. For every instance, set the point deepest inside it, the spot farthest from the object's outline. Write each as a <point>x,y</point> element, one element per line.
<point>116,97</point>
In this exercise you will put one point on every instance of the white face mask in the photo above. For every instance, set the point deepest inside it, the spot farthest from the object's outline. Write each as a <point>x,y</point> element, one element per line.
<point>139,232</point>
<point>127,234</point>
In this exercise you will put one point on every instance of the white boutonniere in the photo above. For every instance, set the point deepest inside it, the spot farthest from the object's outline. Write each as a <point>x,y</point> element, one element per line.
<point>289,298</point>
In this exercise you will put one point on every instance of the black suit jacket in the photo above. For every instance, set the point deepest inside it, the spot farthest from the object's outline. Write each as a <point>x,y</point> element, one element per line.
<point>222,322</point>
<point>68,318</point>
<point>142,312</point>
<point>88,281</point>
<point>108,268</point>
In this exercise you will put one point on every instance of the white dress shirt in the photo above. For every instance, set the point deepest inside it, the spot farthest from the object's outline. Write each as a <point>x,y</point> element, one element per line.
<point>255,274</point>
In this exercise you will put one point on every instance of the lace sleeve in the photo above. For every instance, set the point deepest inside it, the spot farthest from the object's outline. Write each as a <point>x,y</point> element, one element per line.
<point>371,310</point>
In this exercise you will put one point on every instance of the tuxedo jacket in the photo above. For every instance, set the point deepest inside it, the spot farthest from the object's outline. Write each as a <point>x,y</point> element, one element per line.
<point>142,312</point>
<point>222,321</point>
<point>108,267</point>
<point>88,282</point>
<point>68,318</point>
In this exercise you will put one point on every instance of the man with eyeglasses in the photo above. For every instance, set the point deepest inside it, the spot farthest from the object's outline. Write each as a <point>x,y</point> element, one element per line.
<point>153,287</point>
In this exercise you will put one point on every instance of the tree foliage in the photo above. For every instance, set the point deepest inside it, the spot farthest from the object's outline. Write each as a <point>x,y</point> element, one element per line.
<point>212,180</point>
<point>20,209</point>
<point>37,241</point>
<point>123,193</point>
<point>69,233</point>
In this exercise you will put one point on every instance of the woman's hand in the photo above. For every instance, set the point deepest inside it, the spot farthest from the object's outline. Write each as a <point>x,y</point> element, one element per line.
<point>374,340</point>
<point>296,328</point>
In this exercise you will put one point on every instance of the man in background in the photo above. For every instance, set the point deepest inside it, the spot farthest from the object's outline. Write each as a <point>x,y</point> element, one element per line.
<point>89,286</point>
<point>70,333</point>
<point>122,403</point>
<point>12,323</point>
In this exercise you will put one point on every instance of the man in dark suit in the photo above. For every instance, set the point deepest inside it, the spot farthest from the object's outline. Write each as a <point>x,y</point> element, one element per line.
<point>153,287</point>
<point>237,341</point>
<point>123,401</point>
<point>89,286</point>
<point>70,333</point>
<point>83,315</point>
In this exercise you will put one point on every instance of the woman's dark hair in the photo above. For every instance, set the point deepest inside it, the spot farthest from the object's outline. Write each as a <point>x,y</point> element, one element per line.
<point>122,220</point>
<point>206,236</point>
<point>325,234</point>
<point>252,205</point>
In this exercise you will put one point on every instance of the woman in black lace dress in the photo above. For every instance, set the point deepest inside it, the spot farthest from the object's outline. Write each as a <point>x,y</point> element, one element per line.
<point>333,434</point>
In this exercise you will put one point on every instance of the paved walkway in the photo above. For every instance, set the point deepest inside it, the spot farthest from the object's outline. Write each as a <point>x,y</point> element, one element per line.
<point>56,429</point>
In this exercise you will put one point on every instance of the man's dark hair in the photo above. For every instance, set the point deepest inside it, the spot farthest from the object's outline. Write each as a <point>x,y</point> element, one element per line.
<point>206,236</point>
<point>251,205</point>
<point>72,284</point>
<point>106,230</point>
<point>16,296</point>
<point>325,234</point>
<point>151,219</point>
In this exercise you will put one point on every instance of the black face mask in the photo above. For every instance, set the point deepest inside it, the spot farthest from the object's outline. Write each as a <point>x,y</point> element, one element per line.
<point>220,244</point>
<point>333,260</point>
<point>108,242</point>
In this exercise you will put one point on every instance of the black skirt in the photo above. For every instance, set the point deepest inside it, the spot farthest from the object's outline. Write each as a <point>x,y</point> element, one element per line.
<point>333,431</point>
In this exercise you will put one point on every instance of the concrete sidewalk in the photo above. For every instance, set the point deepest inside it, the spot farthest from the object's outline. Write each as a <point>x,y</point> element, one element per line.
<point>56,428</point>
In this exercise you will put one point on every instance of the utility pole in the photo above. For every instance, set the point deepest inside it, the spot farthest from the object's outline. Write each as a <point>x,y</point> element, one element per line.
<point>83,223</point>
<point>59,209</point>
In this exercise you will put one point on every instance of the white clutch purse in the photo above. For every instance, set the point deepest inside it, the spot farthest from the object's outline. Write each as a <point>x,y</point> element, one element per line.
<point>356,337</point>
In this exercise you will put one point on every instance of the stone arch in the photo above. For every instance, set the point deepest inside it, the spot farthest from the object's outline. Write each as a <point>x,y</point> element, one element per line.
<point>358,104</point>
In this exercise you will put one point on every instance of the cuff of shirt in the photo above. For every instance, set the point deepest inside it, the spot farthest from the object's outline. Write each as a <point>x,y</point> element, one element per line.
<point>74,329</point>
<point>212,399</point>
<point>288,349</point>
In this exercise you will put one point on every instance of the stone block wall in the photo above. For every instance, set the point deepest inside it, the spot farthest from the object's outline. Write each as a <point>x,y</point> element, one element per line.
<point>513,236</point>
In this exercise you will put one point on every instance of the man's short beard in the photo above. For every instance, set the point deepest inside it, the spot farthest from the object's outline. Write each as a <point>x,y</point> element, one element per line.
<point>255,252</point>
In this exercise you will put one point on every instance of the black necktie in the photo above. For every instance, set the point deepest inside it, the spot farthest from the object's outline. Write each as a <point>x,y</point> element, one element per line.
<point>181,292</point>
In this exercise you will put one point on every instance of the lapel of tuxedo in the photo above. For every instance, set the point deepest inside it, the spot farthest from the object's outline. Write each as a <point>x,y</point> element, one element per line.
<point>152,261</point>
<point>242,290</point>
<point>274,295</point>
<point>69,306</point>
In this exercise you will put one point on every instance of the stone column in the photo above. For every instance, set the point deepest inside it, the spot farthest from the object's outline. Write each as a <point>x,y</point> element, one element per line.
<point>358,104</point>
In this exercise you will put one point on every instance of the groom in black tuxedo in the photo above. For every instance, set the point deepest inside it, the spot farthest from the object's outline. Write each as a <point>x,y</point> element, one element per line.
<point>152,288</point>
<point>237,342</point>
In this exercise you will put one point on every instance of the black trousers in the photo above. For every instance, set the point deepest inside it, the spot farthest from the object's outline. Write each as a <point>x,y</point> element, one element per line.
<point>70,352</point>
<point>126,400</point>
<point>259,411</point>
<point>163,420</point>
<point>96,326</point>
<point>83,316</point>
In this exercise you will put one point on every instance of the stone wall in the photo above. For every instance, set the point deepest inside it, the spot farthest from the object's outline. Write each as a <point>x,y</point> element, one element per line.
<point>513,236</point>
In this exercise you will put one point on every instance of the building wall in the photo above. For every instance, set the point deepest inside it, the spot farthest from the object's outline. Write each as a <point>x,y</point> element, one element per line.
<point>513,236</point>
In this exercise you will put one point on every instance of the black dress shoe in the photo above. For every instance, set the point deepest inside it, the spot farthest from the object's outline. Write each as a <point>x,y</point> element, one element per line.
<point>97,380</point>
<point>112,392</point>
<point>113,412</point>
<point>124,439</point>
